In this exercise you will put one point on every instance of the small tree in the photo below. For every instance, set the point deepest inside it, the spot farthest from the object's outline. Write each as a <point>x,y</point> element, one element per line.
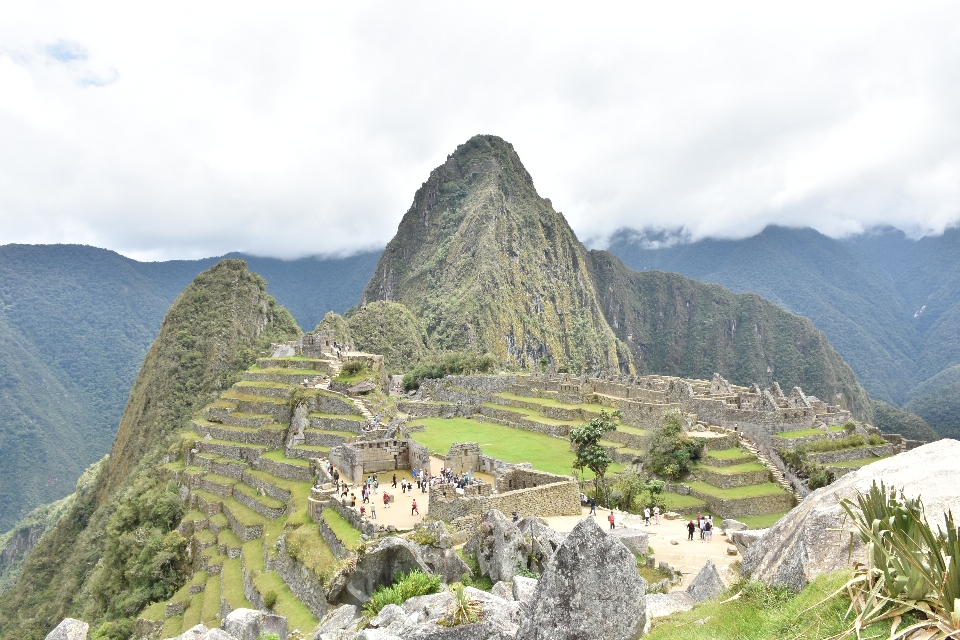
<point>589,452</point>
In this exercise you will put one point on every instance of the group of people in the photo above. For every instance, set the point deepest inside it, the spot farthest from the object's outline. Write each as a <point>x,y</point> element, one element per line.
<point>371,487</point>
<point>704,524</point>
<point>459,480</point>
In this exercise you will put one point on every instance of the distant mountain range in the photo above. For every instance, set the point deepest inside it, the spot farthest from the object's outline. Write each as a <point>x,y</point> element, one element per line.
<point>890,305</point>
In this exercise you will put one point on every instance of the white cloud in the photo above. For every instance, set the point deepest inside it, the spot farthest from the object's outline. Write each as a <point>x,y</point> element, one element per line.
<point>190,129</point>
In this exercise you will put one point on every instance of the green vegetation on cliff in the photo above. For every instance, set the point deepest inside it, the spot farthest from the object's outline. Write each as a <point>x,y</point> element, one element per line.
<point>677,326</point>
<point>116,539</point>
<point>490,267</point>
<point>388,328</point>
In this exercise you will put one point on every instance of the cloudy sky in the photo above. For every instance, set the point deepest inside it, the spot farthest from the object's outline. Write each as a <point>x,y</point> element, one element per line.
<point>188,129</point>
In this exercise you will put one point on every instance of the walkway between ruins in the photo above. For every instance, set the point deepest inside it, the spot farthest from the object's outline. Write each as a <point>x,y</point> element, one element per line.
<point>687,555</point>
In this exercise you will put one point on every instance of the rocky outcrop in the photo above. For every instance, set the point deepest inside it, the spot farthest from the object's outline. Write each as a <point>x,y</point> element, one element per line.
<point>707,585</point>
<point>250,624</point>
<point>500,547</point>
<point>343,617</point>
<point>636,540</point>
<point>665,604</point>
<point>730,525</point>
<point>743,540</point>
<point>69,629</point>
<point>377,567</point>
<point>590,589</point>
<point>814,538</point>
<point>446,563</point>
<point>543,540</point>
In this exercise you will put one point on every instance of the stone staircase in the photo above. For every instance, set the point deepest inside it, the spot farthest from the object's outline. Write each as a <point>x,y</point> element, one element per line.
<point>778,476</point>
<point>247,498</point>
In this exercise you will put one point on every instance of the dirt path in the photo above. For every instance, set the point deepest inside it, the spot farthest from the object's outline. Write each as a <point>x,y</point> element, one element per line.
<point>687,555</point>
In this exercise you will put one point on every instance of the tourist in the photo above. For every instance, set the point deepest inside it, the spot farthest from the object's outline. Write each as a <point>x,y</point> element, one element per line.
<point>373,511</point>
<point>403,485</point>
<point>376,485</point>
<point>646,516</point>
<point>394,481</point>
<point>413,508</point>
<point>700,524</point>
<point>656,515</point>
<point>386,500</point>
<point>516,516</point>
<point>690,529</point>
<point>353,500</point>
<point>363,511</point>
<point>593,506</point>
<point>709,531</point>
<point>366,495</point>
<point>611,520</point>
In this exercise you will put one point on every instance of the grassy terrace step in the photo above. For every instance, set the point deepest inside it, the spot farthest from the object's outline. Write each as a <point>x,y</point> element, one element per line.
<point>290,370</point>
<point>229,539</point>
<point>172,627</point>
<point>332,432</point>
<point>299,491</point>
<point>232,585</point>
<point>854,464</point>
<point>337,416</point>
<point>211,602</point>
<point>228,449</point>
<point>307,451</point>
<point>278,456</point>
<point>676,501</point>
<point>761,522</point>
<point>550,402</point>
<point>345,532</point>
<point>246,516</point>
<point>749,491</point>
<point>194,613</point>
<point>232,395</point>
<point>220,521</point>
<point>746,467</point>
<point>734,453</point>
<point>288,605</point>
<point>804,433</point>
<point>204,538</point>
<point>155,612</point>
<point>637,431</point>
<point>268,502</point>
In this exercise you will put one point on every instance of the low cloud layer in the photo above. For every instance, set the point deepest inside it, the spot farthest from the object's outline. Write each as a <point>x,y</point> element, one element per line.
<point>180,130</point>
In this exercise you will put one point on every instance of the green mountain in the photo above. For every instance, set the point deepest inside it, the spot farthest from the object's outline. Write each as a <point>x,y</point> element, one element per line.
<point>679,326</point>
<point>75,324</point>
<point>489,266</point>
<point>114,551</point>
<point>386,328</point>
<point>887,303</point>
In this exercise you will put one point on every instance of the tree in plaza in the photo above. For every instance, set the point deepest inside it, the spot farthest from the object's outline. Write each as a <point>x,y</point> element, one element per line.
<point>590,454</point>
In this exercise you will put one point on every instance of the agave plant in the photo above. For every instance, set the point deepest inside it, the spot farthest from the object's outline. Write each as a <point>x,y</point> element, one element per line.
<point>911,570</point>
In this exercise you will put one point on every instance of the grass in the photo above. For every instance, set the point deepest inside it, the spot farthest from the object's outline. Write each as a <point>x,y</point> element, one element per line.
<point>253,556</point>
<point>676,501</point>
<point>229,539</point>
<point>766,615</point>
<point>220,521</point>
<point>194,612</point>
<point>650,574</point>
<point>337,416</point>
<point>204,536</point>
<point>155,612</point>
<point>854,464</point>
<point>244,515</point>
<point>211,602</point>
<point>734,453</point>
<point>749,491</point>
<point>232,584</point>
<point>637,431</point>
<point>172,627</point>
<point>761,522</point>
<point>550,402</point>
<point>192,516</point>
<point>278,456</point>
<point>265,384</point>
<point>331,432</point>
<point>307,546</point>
<point>265,500</point>
<point>297,614</point>
<point>746,467</point>
<point>803,433</point>
<point>533,414</point>
<point>545,453</point>
<point>345,532</point>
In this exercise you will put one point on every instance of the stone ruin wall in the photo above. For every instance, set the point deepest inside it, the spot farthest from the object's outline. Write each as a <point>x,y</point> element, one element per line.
<point>557,499</point>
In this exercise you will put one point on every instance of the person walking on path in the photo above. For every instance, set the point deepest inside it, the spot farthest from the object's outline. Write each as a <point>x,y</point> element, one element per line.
<point>646,516</point>
<point>612,520</point>
<point>709,531</point>
<point>373,511</point>
<point>386,500</point>
<point>593,506</point>
<point>413,508</point>
<point>656,515</point>
<point>394,481</point>
<point>690,529</point>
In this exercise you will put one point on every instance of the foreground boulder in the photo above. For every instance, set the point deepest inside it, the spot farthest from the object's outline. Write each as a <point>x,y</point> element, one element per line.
<point>636,540</point>
<point>500,547</point>
<point>707,585</point>
<point>69,629</point>
<point>590,589</point>
<point>814,538</point>
<point>543,540</point>
<point>251,624</point>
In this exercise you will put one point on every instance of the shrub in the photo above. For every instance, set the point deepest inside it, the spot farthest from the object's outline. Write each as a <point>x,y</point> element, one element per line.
<point>270,599</point>
<point>830,444</point>
<point>352,368</point>
<point>672,452</point>
<point>462,610</point>
<point>876,440</point>
<point>404,587</point>
<point>447,364</point>
<point>817,474</point>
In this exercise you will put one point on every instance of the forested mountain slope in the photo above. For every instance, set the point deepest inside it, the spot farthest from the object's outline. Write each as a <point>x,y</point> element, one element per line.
<point>114,551</point>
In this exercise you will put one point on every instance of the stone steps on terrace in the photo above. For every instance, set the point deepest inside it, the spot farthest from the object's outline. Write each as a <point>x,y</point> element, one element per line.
<point>325,437</point>
<point>278,390</point>
<point>778,476</point>
<point>271,435</point>
<point>228,449</point>
<point>285,376</point>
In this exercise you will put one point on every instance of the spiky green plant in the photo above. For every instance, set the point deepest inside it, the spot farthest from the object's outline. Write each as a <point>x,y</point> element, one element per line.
<point>911,569</point>
<point>463,610</point>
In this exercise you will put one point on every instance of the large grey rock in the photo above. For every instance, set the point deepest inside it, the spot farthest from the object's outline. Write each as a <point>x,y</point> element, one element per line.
<point>388,616</point>
<point>343,617</point>
<point>743,540</point>
<point>500,547</point>
<point>665,604</point>
<point>432,533</point>
<point>543,540</point>
<point>499,620</point>
<point>503,590</point>
<point>251,624</point>
<point>446,563</point>
<point>378,566</point>
<point>590,589</point>
<point>196,632</point>
<point>523,588</point>
<point>69,629</point>
<point>814,537</point>
<point>707,585</point>
<point>636,540</point>
<point>729,526</point>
